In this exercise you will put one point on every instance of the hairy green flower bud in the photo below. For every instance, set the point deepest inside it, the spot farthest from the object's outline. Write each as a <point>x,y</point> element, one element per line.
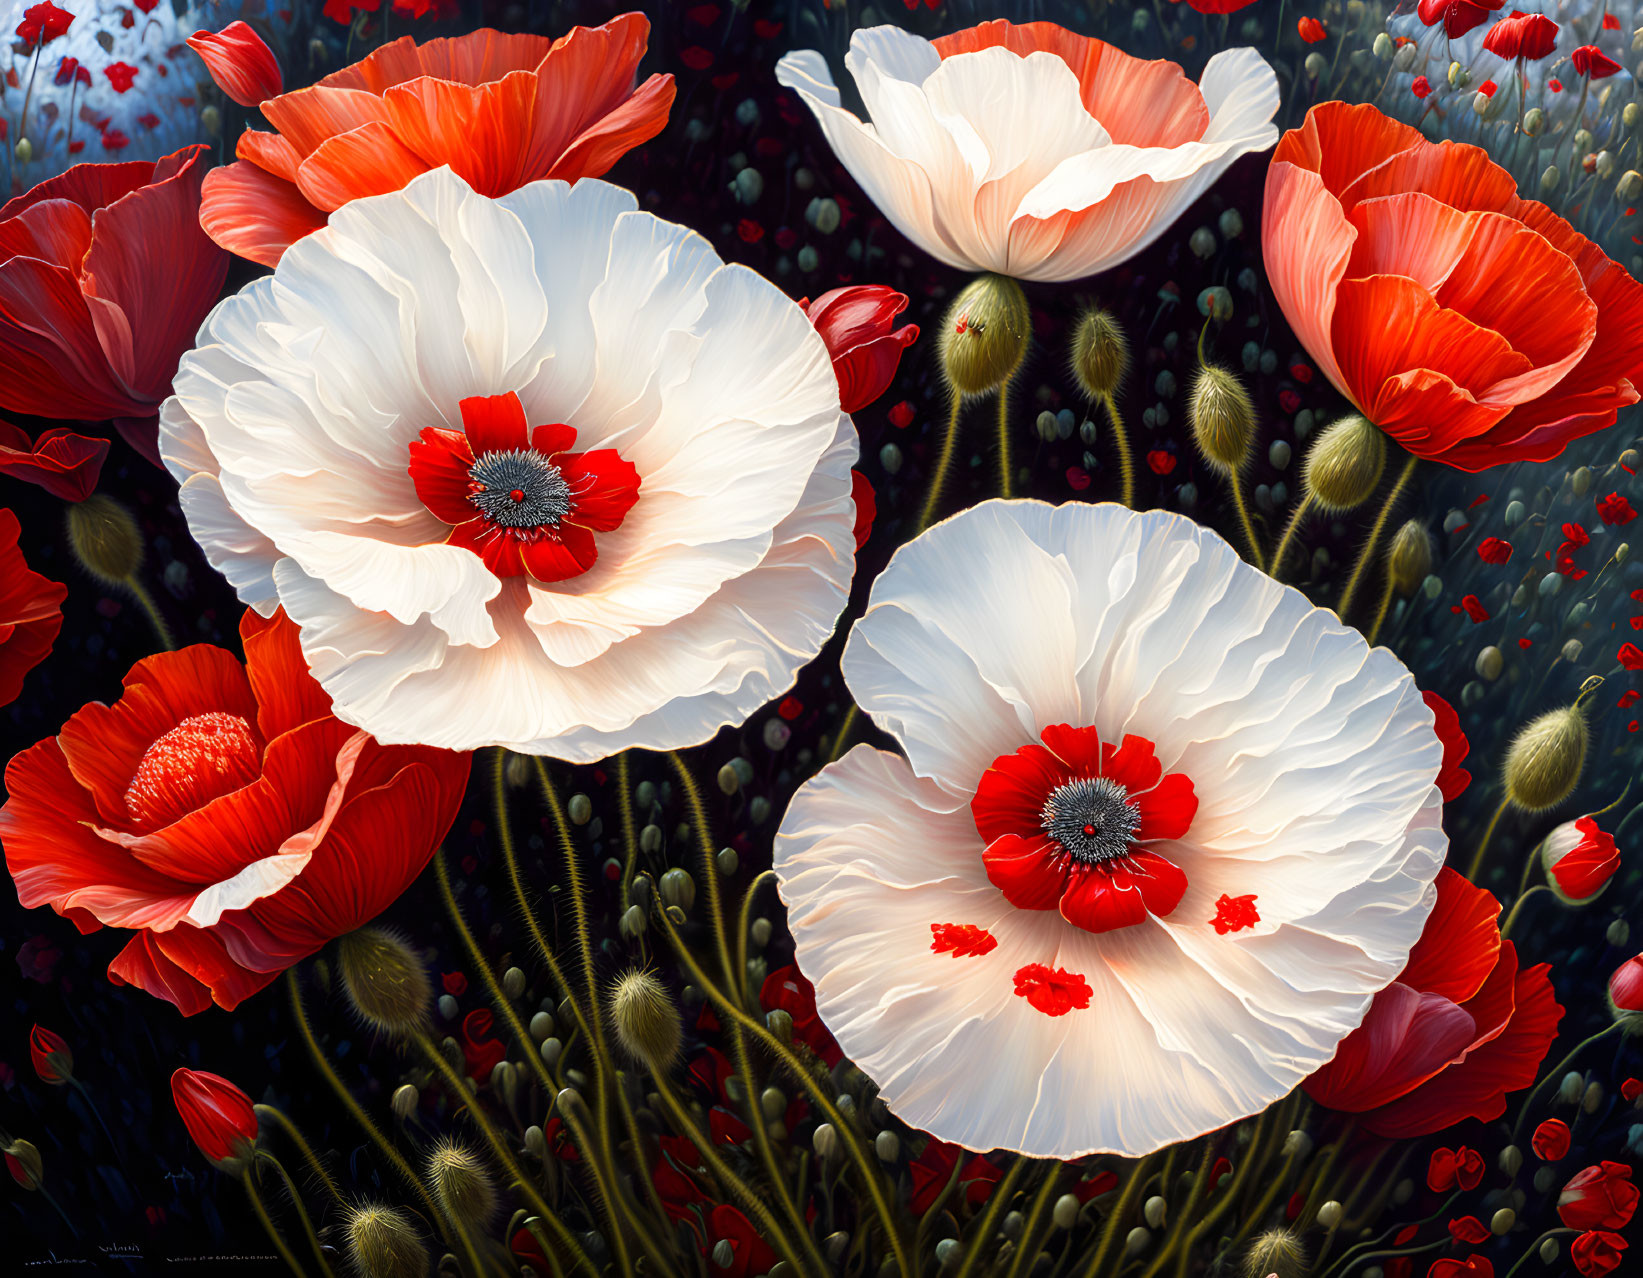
<point>1344,466</point>
<point>646,1020</point>
<point>984,337</point>
<point>385,981</point>
<point>1409,557</point>
<point>1223,419</point>
<point>105,539</point>
<point>1100,355</point>
<point>383,1243</point>
<point>461,1183</point>
<point>1544,761</point>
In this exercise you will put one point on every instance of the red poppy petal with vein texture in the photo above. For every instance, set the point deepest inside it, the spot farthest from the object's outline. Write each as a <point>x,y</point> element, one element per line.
<point>255,214</point>
<point>603,488</point>
<point>560,558</point>
<point>494,423</point>
<point>1030,872</point>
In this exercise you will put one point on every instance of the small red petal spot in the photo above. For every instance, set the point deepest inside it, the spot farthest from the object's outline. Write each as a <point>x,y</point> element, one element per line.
<point>1089,831</point>
<point>963,324</point>
<point>518,494</point>
<point>1053,991</point>
<point>1234,913</point>
<point>962,940</point>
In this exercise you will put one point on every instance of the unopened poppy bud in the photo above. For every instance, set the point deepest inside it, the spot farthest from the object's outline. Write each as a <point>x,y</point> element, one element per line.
<point>1630,186</point>
<point>1329,1215</point>
<point>219,1116</point>
<point>1383,47</point>
<point>1543,762</point>
<point>826,1142</point>
<point>383,1243</point>
<point>1534,121</point>
<point>1409,557</point>
<point>1631,115</point>
<point>461,1183</point>
<point>385,981</point>
<point>984,337</point>
<point>1344,465</point>
<point>1626,994</point>
<point>24,1163</point>
<point>1223,419</point>
<point>780,1023</point>
<point>52,1057</point>
<point>404,1102</point>
<point>1549,178</point>
<point>240,62</point>
<point>1101,355</point>
<point>105,539</point>
<point>678,888</point>
<point>1277,1251</point>
<point>646,1020</point>
<point>1579,860</point>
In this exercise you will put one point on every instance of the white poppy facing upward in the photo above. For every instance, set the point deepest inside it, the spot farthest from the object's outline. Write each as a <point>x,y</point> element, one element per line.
<point>1031,151</point>
<point>1162,831</point>
<point>540,471</point>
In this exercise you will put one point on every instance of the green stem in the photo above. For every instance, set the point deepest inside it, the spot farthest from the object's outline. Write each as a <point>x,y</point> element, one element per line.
<point>944,463</point>
<point>1115,1218</point>
<point>1511,917</point>
<point>296,1201</point>
<point>1381,610</point>
<point>1533,1249</point>
<point>1556,1072</point>
<point>1375,531</point>
<point>1126,463</point>
<point>843,734</point>
<point>1027,1248</point>
<point>305,1149</point>
<point>1483,843</point>
<point>1005,484</point>
<point>1276,564</point>
<point>1244,520</point>
<point>261,1212</point>
<point>145,601</point>
<point>981,1234</point>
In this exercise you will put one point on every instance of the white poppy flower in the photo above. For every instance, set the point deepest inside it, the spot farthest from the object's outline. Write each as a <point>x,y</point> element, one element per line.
<point>1162,831</point>
<point>539,471</point>
<point>1031,151</point>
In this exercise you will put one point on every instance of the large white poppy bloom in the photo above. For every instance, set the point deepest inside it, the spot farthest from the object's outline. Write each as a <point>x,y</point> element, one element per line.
<point>1029,150</point>
<point>540,471</point>
<point>1162,831</point>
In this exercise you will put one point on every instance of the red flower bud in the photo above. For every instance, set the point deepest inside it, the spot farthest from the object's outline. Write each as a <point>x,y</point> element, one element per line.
<point>1593,63</point>
<point>867,506</point>
<point>218,1115</point>
<point>1311,30</point>
<point>1551,1140</point>
<point>1522,35</point>
<point>1596,1253</point>
<point>241,64</point>
<point>53,1061</point>
<point>856,325</point>
<point>1626,985</point>
<point>1451,1167</point>
<point>1601,1197</point>
<point>1580,860</point>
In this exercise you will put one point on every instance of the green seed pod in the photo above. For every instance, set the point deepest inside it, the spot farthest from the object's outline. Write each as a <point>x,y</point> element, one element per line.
<point>1101,355</point>
<point>1344,466</point>
<point>1277,1251</point>
<point>1223,419</point>
<point>383,1243</point>
<point>385,982</point>
<point>1543,762</point>
<point>984,337</point>
<point>1409,557</point>
<point>646,1020</point>
<point>105,539</point>
<point>461,1183</point>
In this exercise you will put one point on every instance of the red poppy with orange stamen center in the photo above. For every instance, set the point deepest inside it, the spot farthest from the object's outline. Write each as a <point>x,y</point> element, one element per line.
<point>515,496</point>
<point>1067,822</point>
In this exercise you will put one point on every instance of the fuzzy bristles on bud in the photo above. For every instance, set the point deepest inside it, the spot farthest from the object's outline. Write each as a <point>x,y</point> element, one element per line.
<point>645,1019</point>
<point>1101,355</point>
<point>1223,419</point>
<point>984,337</point>
<point>1276,1252</point>
<point>461,1183</point>
<point>383,1243</point>
<point>1344,466</point>
<point>385,981</point>
<point>1409,557</point>
<point>1543,762</point>
<point>105,539</point>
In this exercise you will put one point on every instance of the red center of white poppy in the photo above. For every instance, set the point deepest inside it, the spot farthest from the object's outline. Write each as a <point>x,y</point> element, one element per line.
<point>515,496</point>
<point>1067,824</point>
<point>203,758</point>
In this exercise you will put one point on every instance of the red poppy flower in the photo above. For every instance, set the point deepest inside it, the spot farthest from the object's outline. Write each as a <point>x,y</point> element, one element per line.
<point>867,507</point>
<point>750,1254</point>
<point>932,1169</point>
<point>218,1115</point>
<point>1473,327</point>
<point>1593,63</point>
<point>1597,1252</point>
<point>66,465</point>
<point>1219,6</point>
<point>1551,1140</point>
<point>1601,1197</point>
<point>241,63</point>
<point>1522,35</point>
<point>857,324</point>
<point>1066,825</point>
<point>1626,985</point>
<point>501,110</point>
<point>43,23</point>
<point>1469,1229</point>
<point>1615,509</point>
<point>1459,1029</point>
<point>515,495</point>
<point>787,989</point>
<point>53,1060</point>
<point>31,612</point>
<point>1473,1266</point>
<point>482,1051</point>
<point>1452,778</point>
<point>1630,656</point>
<point>105,276</point>
<point>1454,1168</point>
<point>1580,859</point>
<point>1492,550</point>
<point>1421,87</point>
<point>1457,16</point>
<point>1311,30</point>
<point>225,815</point>
<point>121,75</point>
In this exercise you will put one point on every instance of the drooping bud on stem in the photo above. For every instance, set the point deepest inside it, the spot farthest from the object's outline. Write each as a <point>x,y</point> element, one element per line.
<point>1223,419</point>
<point>385,981</point>
<point>1100,355</point>
<point>220,1118</point>
<point>1409,558</point>
<point>984,337</point>
<point>646,1020</point>
<point>461,1183</point>
<point>383,1243</point>
<point>1277,1251</point>
<point>105,539</point>
<point>24,1163</point>
<point>1344,466</point>
<point>1544,761</point>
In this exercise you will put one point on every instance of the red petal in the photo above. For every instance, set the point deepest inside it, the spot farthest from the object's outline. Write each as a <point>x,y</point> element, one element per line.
<point>1167,809</point>
<point>1097,902</point>
<point>499,551</point>
<point>66,465</point>
<point>603,488</point>
<point>1132,764</point>
<point>440,462</point>
<point>560,558</point>
<point>555,437</point>
<point>1460,943</point>
<point>142,964</point>
<point>1031,873</point>
<point>494,423</point>
<point>1079,748</point>
<point>255,214</point>
<point>1010,797</point>
<point>614,134</point>
<point>287,694</point>
<point>369,160</point>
